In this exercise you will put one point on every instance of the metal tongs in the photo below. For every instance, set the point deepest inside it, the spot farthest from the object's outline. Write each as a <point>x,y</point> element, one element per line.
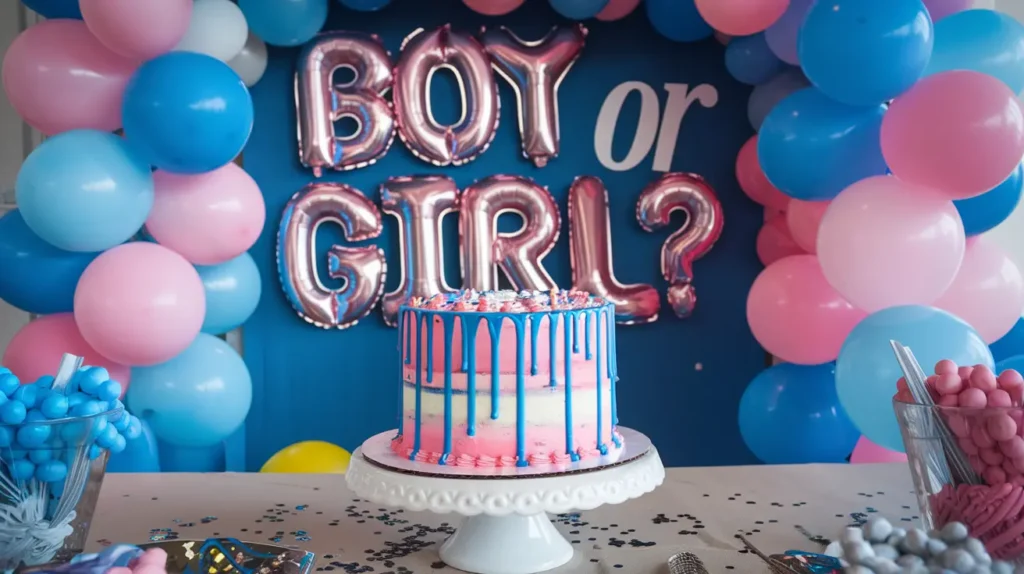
<point>954,465</point>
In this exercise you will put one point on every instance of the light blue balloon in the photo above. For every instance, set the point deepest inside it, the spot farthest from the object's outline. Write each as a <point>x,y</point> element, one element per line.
<point>677,20</point>
<point>867,371</point>
<point>196,399</point>
<point>766,96</point>
<point>790,414</point>
<point>140,455</point>
<point>84,190</point>
<point>285,22</point>
<point>575,9</point>
<point>984,41</point>
<point>811,147</point>
<point>232,293</point>
<point>751,61</point>
<point>187,112</point>
<point>865,52</point>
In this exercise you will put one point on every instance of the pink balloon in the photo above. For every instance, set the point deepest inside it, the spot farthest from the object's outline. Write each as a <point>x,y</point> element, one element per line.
<point>37,348</point>
<point>139,29</point>
<point>208,218</point>
<point>493,7</point>
<point>796,315</point>
<point>885,242</point>
<point>867,452</point>
<point>959,132</point>
<point>988,291</point>
<point>752,180</point>
<point>140,304</point>
<point>59,77</point>
<point>774,241</point>
<point>804,219</point>
<point>741,17</point>
<point>617,9</point>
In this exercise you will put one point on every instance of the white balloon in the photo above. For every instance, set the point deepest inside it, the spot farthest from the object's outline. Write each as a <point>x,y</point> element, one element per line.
<point>251,62</point>
<point>217,28</point>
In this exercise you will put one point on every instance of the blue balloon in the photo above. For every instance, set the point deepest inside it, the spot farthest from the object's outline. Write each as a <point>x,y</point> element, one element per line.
<point>192,459</point>
<point>365,5</point>
<point>141,454</point>
<point>991,208</point>
<point>811,147</point>
<point>766,96</point>
<point>867,371</point>
<point>285,23</point>
<point>37,277</point>
<point>187,112</point>
<point>865,52</point>
<point>84,190</point>
<point>1011,344</point>
<point>55,8</point>
<point>751,61</point>
<point>575,9</point>
<point>790,414</point>
<point>984,41</point>
<point>1015,362</point>
<point>678,20</point>
<point>232,293</point>
<point>196,399</point>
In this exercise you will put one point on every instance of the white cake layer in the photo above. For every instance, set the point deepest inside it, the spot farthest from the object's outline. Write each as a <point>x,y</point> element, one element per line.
<point>543,406</point>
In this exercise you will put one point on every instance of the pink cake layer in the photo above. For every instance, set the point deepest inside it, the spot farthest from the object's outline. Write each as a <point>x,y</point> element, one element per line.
<point>496,446</point>
<point>584,370</point>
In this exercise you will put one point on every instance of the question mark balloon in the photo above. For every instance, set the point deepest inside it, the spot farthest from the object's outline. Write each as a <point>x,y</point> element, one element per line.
<point>704,221</point>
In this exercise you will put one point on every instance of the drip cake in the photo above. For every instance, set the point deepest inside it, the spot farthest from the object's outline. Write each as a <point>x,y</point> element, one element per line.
<point>505,378</point>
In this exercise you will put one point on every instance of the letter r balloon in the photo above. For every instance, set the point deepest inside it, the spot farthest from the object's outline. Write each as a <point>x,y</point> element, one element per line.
<point>362,269</point>
<point>320,102</point>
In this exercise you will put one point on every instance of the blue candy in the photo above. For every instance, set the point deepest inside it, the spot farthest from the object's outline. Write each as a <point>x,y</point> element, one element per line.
<point>51,471</point>
<point>90,379</point>
<point>22,470</point>
<point>120,443</point>
<point>18,453</point>
<point>107,436</point>
<point>27,394</point>
<point>40,455</point>
<point>45,382</point>
<point>75,399</point>
<point>33,436</point>
<point>87,409</point>
<point>121,423</point>
<point>57,487</point>
<point>134,429</point>
<point>55,406</point>
<point>94,452</point>
<point>99,426</point>
<point>34,416</point>
<point>74,432</point>
<point>5,437</point>
<point>8,383</point>
<point>13,412</point>
<point>109,391</point>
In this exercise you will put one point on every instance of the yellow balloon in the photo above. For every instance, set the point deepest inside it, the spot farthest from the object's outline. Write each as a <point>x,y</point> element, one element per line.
<point>311,456</point>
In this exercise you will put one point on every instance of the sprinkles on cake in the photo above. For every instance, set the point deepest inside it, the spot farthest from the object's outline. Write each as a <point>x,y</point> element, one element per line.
<point>508,301</point>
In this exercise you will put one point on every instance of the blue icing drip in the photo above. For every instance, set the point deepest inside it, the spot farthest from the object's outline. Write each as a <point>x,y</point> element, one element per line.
<point>586,336</point>
<point>419,386</point>
<point>447,321</point>
<point>408,346</point>
<point>430,348</point>
<point>575,330</point>
<point>600,446</point>
<point>552,329</point>
<point>517,320</point>
<point>613,372</point>
<point>573,455</point>
<point>465,346</point>
<point>469,334</point>
<point>534,329</point>
<point>495,331</point>
<point>401,370</point>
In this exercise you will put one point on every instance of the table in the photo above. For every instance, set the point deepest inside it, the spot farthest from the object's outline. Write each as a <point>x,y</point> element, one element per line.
<point>697,509</point>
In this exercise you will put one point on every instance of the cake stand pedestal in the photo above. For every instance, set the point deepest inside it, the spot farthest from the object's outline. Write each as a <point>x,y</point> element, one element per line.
<point>506,529</point>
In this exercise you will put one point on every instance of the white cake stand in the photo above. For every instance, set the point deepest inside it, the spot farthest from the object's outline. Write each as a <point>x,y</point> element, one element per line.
<point>507,530</point>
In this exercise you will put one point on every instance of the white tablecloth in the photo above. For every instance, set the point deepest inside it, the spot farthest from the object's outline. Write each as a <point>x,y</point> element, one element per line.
<point>696,509</point>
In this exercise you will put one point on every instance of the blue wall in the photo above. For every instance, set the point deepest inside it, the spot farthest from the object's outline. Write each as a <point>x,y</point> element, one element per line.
<point>681,380</point>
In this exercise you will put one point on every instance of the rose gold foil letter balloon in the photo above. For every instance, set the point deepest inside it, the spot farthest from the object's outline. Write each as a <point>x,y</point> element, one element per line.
<point>704,221</point>
<point>590,243</point>
<point>361,268</point>
<point>418,203</point>
<point>320,101</point>
<point>518,254</point>
<point>535,70</point>
<point>423,53</point>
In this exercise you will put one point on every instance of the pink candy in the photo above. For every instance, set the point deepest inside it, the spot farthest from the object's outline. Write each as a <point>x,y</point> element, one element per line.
<point>990,428</point>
